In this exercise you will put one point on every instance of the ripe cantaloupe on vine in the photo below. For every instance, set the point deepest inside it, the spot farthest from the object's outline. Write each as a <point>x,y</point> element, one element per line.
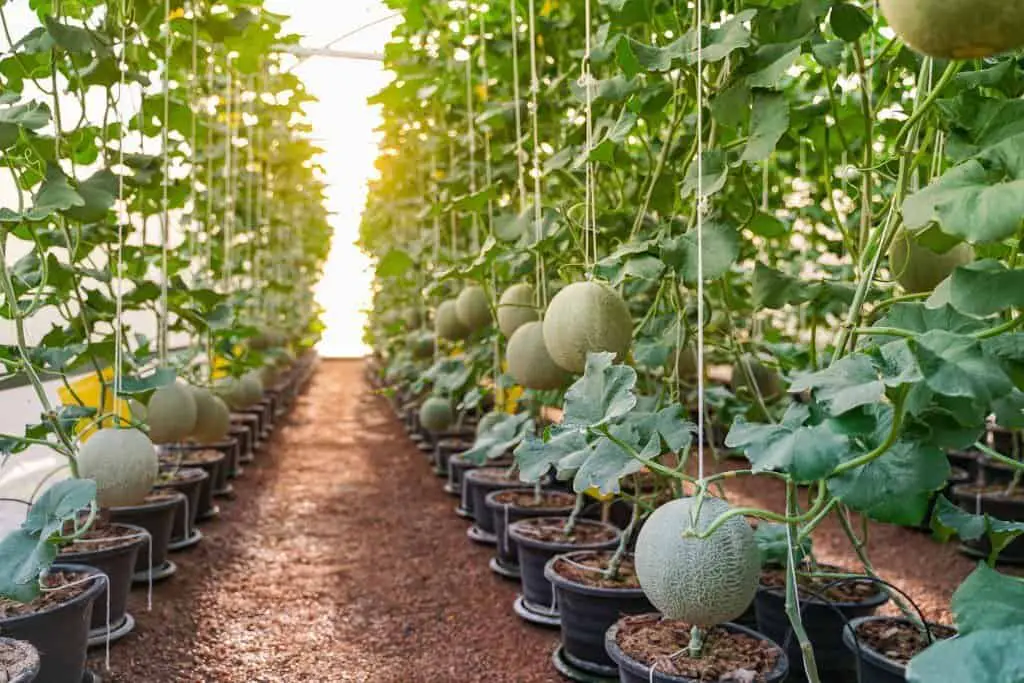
<point>447,324</point>
<point>586,317</point>
<point>436,414</point>
<point>957,29</point>
<point>767,380</point>
<point>529,362</point>
<point>918,268</point>
<point>516,308</point>
<point>213,418</point>
<point>473,308</point>
<point>122,462</point>
<point>171,413</point>
<point>703,581</point>
<point>421,345</point>
<point>682,363</point>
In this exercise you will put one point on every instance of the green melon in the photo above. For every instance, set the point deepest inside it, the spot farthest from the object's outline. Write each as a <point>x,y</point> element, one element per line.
<point>421,345</point>
<point>767,379</point>
<point>488,421</point>
<point>447,324</point>
<point>412,317</point>
<point>268,374</point>
<point>586,317</point>
<point>232,392</point>
<point>957,29</point>
<point>122,462</point>
<point>918,268</point>
<point>171,413</point>
<point>516,307</point>
<point>529,362</point>
<point>683,364</point>
<point>473,308</point>
<point>701,581</point>
<point>436,414</point>
<point>213,419</point>
<point>251,388</point>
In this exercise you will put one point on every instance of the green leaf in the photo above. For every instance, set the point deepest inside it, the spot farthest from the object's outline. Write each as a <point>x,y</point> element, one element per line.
<point>808,453</point>
<point>985,287</point>
<point>720,42</point>
<point>55,194</point>
<point>22,558</point>
<point>535,457</point>
<point>769,121</point>
<point>98,192</point>
<point>31,115</point>
<point>131,385</point>
<point>766,225</point>
<point>916,317</point>
<point>720,245</point>
<point>774,61</point>
<point>607,462</point>
<point>604,393</point>
<point>60,502</point>
<point>849,22</point>
<point>849,383</point>
<point>501,438</point>
<point>987,600</point>
<point>395,263</point>
<point>948,521</point>
<point>773,543</point>
<point>73,38</point>
<point>955,365</point>
<point>980,657</point>
<point>710,178</point>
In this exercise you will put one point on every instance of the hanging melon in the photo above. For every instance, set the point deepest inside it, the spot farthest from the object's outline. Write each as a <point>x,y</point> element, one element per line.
<point>436,414</point>
<point>171,413</point>
<point>213,419</point>
<point>701,581</point>
<point>516,307</point>
<point>529,362</point>
<point>957,29</point>
<point>421,345</point>
<point>683,363</point>
<point>251,388</point>
<point>447,324</point>
<point>586,317</point>
<point>473,308</point>
<point>918,268</point>
<point>122,462</point>
<point>767,380</point>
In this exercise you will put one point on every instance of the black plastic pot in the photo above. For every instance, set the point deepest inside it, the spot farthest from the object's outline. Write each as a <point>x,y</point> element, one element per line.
<point>957,477</point>
<point>457,468</point>
<point>632,671</point>
<point>1000,507</point>
<point>156,517</point>
<point>229,447</point>
<point>188,481</point>
<point>444,449</point>
<point>994,472</point>
<point>250,421</point>
<point>22,658</point>
<point>965,460</point>
<point>1005,441</point>
<point>503,515</point>
<point>60,633</point>
<point>587,612</point>
<point>534,555</point>
<point>478,484</point>
<point>118,564</point>
<point>824,627</point>
<point>243,436</point>
<point>874,666</point>
<point>212,467</point>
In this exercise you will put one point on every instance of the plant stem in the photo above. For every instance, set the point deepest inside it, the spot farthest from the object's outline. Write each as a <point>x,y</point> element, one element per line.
<point>612,571</point>
<point>792,596</point>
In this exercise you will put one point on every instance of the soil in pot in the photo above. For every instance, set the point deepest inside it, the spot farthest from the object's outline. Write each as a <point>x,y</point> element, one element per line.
<point>511,505</point>
<point>211,461</point>
<point>57,622</point>
<point>1000,502</point>
<point>730,653</point>
<point>481,481</point>
<point>541,538</point>
<point>589,602</point>
<point>113,548</point>
<point>155,515</point>
<point>822,620</point>
<point>189,481</point>
<point>886,644</point>
<point>19,661</point>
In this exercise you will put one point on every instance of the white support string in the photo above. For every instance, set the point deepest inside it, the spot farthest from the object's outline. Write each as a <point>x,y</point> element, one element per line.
<point>122,68</point>
<point>700,240</point>
<point>516,102</point>
<point>165,214</point>
<point>538,216</point>
<point>471,125</point>
<point>229,199</point>
<point>590,205</point>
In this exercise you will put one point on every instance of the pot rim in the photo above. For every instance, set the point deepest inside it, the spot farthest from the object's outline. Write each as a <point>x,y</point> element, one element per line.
<point>525,541</point>
<point>175,499</point>
<point>185,462</point>
<point>90,593</point>
<point>198,475</point>
<point>879,599</point>
<point>634,667</point>
<point>988,496</point>
<point>493,504</point>
<point>584,589</point>
<point>475,475</point>
<point>859,648</point>
<point>84,555</point>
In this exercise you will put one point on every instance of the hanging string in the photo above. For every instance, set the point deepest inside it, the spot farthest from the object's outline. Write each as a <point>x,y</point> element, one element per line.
<point>538,216</point>
<point>700,240</point>
<point>165,213</point>
<point>590,205</point>
<point>250,161</point>
<point>229,198</point>
<point>122,68</point>
<point>489,179</point>
<point>194,110</point>
<point>520,166</point>
<point>471,125</point>
<point>208,223</point>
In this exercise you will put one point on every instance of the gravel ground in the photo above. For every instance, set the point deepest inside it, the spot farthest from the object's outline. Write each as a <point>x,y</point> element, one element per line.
<point>341,560</point>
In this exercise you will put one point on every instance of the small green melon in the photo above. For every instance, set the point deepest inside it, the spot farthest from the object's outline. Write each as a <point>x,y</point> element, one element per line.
<point>447,324</point>
<point>473,308</point>
<point>586,317</point>
<point>421,345</point>
<point>122,462</point>
<point>529,362</point>
<point>213,419</point>
<point>436,414</point>
<point>957,29</point>
<point>768,381</point>
<point>171,413</point>
<point>251,388</point>
<point>918,268</point>
<point>701,581</point>
<point>516,307</point>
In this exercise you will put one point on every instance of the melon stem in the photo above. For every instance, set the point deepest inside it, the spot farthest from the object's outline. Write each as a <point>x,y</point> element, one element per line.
<point>570,524</point>
<point>612,570</point>
<point>696,645</point>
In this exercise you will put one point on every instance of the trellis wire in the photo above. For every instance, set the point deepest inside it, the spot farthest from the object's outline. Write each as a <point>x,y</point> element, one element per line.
<point>700,241</point>
<point>520,166</point>
<point>122,68</point>
<point>165,215</point>
<point>538,231</point>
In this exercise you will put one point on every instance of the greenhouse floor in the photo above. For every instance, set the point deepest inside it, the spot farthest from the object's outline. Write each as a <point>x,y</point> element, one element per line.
<point>341,560</point>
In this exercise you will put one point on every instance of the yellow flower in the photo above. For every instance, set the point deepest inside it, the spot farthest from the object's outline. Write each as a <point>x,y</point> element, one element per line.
<point>176,14</point>
<point>549,7</point>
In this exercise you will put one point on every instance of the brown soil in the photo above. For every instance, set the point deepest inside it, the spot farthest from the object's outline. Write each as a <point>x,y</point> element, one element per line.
<point>187,458</point>
<point>495,475</point>
<point>898,640</point>
<point>849,591</point>
<point>102,536</point>
<point>586,532</point>
<point>725,657</point>
<point>591,573</point>
<point>49,598</point>
<point>529,500</point>
<point>161,496</point>
<point>180,475</point>
<point>16,657</point>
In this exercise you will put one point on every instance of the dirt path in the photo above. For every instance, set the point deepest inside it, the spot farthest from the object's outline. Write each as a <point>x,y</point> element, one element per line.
<point>340,560</point>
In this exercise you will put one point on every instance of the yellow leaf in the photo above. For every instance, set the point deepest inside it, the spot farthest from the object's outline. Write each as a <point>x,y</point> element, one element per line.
<point>549,7</point>
<point>481,91</point>
<point>595,492</point>
<point>176,14</point>
<point>512,396</point>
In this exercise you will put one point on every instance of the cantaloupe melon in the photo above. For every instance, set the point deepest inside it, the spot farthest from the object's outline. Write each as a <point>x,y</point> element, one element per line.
<point>447,324</point>
<point>918,268</point>
<point>683,364</point>
<point>421,345</point>
<point>957,29</point>
<point>122,462</point>
<point>213,419</point>
<point>251,388</point>
<point>473,308</point>
<point>171,413</point>
<point>768,381</point>
<point>701,581</point>
<point>436,414</point>
<point>529,362</point>
<point>230,389</point>
<point>586,317</point>
<point>412,317</point>
<point>516,308</point>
